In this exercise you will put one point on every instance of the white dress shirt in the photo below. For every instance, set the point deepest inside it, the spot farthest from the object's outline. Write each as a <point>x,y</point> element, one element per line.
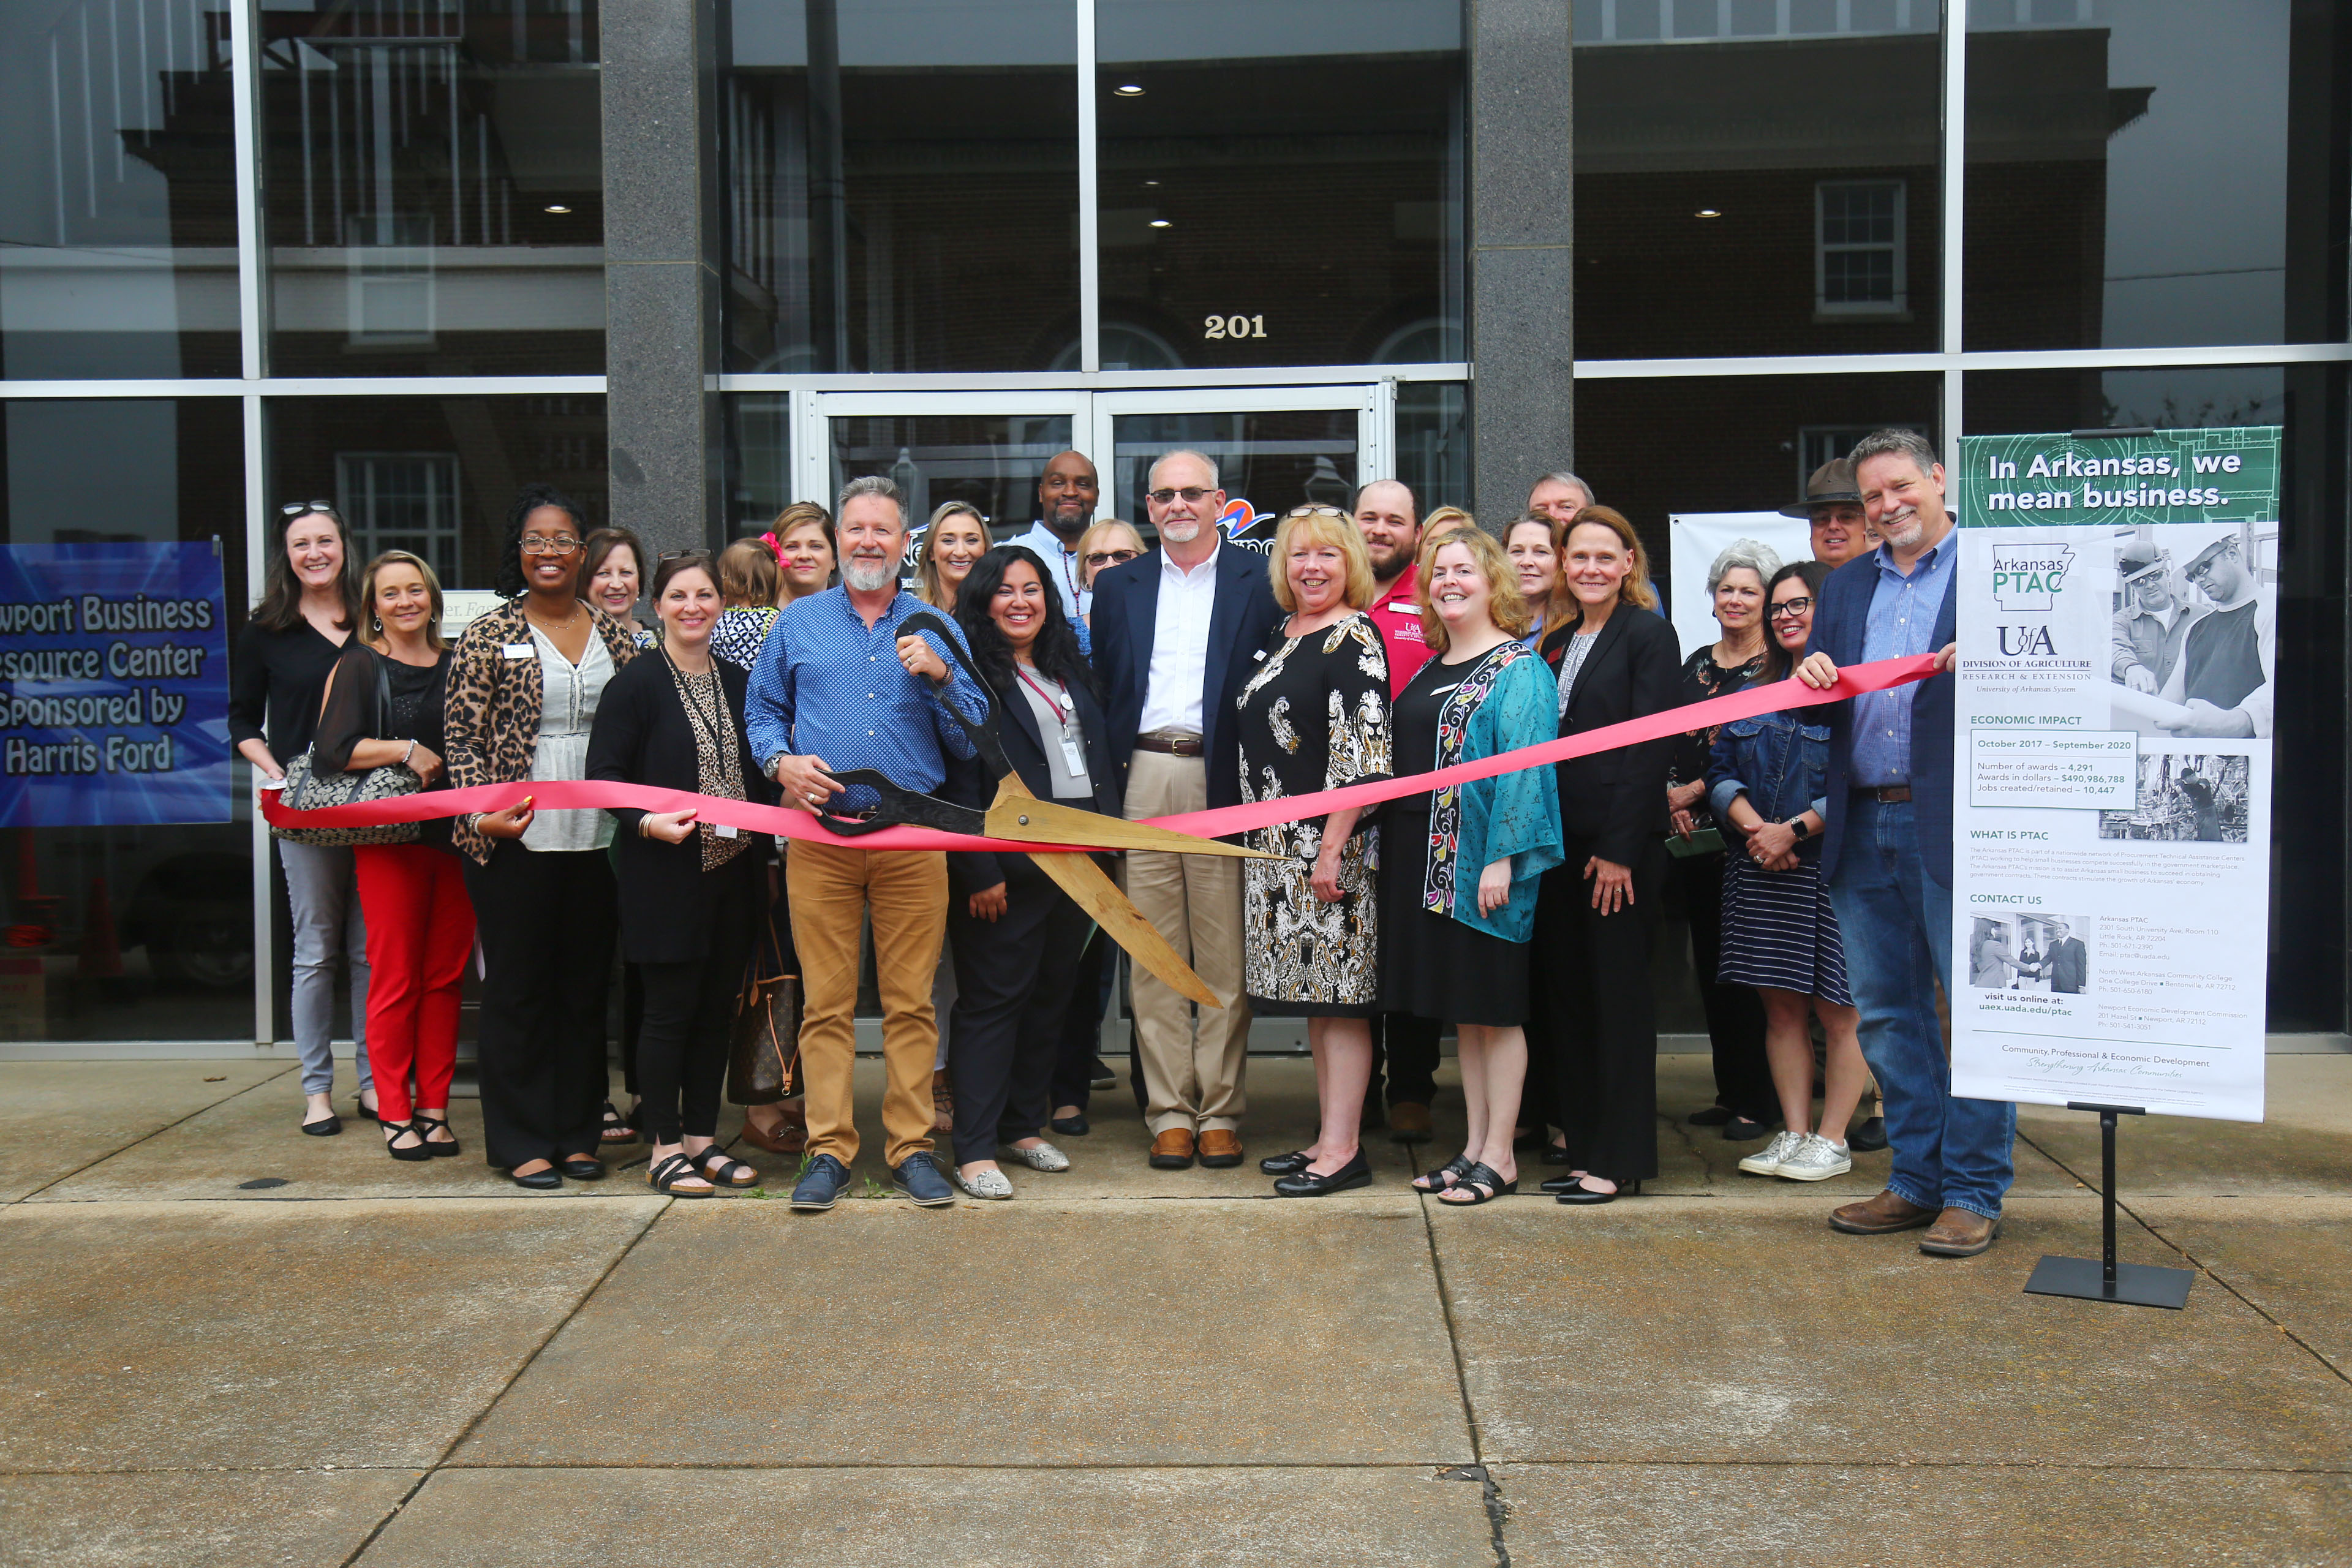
<point>1180,646</point>
<point>1062,564</point>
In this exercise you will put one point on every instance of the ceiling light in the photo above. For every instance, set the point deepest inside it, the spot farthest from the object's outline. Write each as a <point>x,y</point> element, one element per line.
<point>1707,211</point>
<point>1151,184</point>
<point>1127,89</point>
<point>1160,223</point>
<point>559,210</point>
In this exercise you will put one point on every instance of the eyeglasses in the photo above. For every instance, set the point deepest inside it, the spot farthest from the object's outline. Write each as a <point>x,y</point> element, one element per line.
<point>1162,497</point>
<point>304,508</point>
<point>561,544</point>
<point>1110,557</point>
<point>1789,609</point>
<point>1314,512</point>
<point>2198,573</point>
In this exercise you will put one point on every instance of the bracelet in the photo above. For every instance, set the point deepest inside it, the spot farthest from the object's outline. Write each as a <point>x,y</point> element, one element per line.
<point>405,755</point>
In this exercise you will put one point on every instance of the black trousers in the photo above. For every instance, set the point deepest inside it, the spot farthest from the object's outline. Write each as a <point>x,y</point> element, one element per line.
<point>1596,1014</point>
<point>1405,1047</point>
<point>633,1022</point>
<point>1081,1046</point>
<point>682,1048</point>
<point>1013,979</point>
<point>1735,1014</point>
<point>547,922</point>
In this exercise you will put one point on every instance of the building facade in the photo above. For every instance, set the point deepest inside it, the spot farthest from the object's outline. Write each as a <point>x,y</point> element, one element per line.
<point>690,259</point>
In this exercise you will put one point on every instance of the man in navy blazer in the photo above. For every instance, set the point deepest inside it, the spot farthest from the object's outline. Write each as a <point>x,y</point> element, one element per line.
<point>1173,636</point>
<point>1887,853</point>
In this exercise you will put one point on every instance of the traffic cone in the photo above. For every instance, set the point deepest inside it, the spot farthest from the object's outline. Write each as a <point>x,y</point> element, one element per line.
<point>101,952</point>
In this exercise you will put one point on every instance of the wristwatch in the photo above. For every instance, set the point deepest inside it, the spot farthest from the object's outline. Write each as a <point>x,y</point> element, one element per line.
<point>1796,825</point>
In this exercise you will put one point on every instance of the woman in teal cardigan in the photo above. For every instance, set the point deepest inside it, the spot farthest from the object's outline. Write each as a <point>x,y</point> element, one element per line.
<point>1458,879</point>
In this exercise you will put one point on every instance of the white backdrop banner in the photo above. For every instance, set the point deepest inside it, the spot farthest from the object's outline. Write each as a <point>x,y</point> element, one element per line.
<point>1696,538</point>
<point>2112,769</point>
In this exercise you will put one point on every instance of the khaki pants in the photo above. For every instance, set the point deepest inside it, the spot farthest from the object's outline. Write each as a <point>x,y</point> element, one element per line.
<point>830,891</point>
<point>1192,1069</point>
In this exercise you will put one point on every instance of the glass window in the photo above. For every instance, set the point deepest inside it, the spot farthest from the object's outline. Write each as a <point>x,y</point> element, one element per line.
<point>118,196</point>
<point>1757,178</point>
<point>903,185</point>
<point>128,933</point>
<point>1275,189</point>
<point>991,460</point>
<point>2130,176</point>
<point>1432,442</point>
<point>2307,842</point>
<point>1272,459</point>
<point>759,457</point>
<point>434,198</point>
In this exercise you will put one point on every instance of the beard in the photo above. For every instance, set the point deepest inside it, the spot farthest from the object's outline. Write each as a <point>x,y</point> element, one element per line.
<point>1902,531</point>
<point>1182,530</point>
<point>867,577</point>
<point>1070,526</point>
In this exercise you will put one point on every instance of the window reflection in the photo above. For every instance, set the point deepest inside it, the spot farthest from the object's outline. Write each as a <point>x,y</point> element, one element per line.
<point>118,193</point>
<point>991,460</point>
<point>903,185</point>
<point>435,195</point>
<point>1278,186</point>
<point>1274,460</point>
<point>1432,442</point>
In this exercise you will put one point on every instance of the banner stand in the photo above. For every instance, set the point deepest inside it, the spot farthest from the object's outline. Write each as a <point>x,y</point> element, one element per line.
<point>2135,1284</point>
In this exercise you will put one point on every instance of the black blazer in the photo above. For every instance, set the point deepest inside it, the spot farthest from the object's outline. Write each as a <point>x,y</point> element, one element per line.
<point>642,736</point>
<point>971,871</point>
<point>1840,624</point>
<point>1125,618</point>
<point>1617,799</point>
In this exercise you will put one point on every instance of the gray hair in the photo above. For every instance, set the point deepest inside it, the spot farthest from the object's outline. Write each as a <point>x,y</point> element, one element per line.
<point>1754,555</point>
<point>873,485</point>
<point>1896,443</point>
<point>1562,477</point>
<point>1164,459</point>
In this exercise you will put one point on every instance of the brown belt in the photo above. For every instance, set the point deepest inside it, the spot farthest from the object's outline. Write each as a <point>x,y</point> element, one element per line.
<point>1169,742</point>
<point>1886,795</point>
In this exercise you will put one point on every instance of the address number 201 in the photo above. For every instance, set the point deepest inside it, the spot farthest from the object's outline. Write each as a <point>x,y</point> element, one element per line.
<point>1234,327</point>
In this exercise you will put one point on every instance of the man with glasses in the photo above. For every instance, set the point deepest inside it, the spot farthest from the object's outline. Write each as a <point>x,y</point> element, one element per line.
<point>1068,493</point>
<point>2224,675</point>
<point>2153,620</point>
<point>1834,506</point>
<point>1172,634</point>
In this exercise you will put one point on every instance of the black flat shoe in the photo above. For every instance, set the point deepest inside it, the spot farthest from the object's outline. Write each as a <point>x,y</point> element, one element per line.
<point>1554,1154</point>
<point>415,1153</point>
<point>1445,1176</point>
<point>1356,1172</point>
<point>1071,1126</point>
<point>1484,1184</point>
<point>537,1181</point>
<point>1289,1165</point>
<point>425,1126</point>
<point>325,1128</point>
<point>1745,1129</point>
<point>363,1111</point>
<point>1560,1183</point>
<point>581,1168</point>
<point>1580,1194</point>
<point>1869,1138</point>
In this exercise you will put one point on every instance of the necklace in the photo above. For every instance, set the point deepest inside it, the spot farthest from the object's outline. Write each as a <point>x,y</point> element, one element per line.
<point>562,626</point>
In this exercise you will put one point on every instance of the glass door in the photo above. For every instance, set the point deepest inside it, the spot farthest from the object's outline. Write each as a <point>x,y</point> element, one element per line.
<point>983,448</point>
<point>1274,447</point>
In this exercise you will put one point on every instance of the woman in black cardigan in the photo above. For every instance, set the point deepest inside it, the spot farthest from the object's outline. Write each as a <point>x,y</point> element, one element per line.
<point>1597,912</point>
<point>689,890</point>
<point>1017,936</point>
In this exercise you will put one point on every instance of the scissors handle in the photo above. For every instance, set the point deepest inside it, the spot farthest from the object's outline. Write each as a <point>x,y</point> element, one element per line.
<point>898,807</point>
<point>982,731</point>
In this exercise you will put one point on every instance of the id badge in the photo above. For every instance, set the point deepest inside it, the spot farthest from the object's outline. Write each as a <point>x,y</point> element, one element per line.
<point>1073,756</point>
<point>520,650</point>
<point>723,830</point>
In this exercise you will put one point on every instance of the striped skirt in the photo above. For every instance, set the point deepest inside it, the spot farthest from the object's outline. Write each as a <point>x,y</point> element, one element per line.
<point>1779,930</point>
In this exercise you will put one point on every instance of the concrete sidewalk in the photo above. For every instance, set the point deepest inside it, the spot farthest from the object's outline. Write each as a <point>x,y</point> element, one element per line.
<point>389,1363</point>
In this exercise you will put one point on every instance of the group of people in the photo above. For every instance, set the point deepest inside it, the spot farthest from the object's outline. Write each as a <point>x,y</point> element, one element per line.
<point>1518,910</point>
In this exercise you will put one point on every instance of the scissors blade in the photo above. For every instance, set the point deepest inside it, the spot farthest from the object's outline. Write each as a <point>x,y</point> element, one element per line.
<point>1025,819</point>
<point>1095,893</point>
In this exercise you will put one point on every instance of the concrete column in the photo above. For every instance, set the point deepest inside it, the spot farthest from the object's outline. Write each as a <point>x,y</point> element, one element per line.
<point>1522,272</point>
<point>661,268</point>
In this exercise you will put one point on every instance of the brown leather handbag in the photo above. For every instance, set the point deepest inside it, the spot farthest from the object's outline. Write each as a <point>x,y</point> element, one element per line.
<point>763,1058</point>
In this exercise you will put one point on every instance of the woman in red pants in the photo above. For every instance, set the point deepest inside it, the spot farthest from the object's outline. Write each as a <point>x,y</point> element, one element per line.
<point>382,708</point>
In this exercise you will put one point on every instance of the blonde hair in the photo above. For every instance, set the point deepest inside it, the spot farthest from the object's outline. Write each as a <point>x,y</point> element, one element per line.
<point>1321,525</point>
<point>433,638</point>
<point>1445,519</point>
<point>1558,604</point>
<point>1096,531</point>
<point>747,575</point>
<point>1635,589</point>
<point>929,587</point>
<point>1505,605</point>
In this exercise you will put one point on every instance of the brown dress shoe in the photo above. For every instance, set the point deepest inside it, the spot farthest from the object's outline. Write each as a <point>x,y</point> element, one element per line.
<point>789,1136</point>
<point>1409,1123</point>
<point>1881,1216</point>
<point>1220,1147</point>
<point>1172,1150</point>
<point>1956,1232</point>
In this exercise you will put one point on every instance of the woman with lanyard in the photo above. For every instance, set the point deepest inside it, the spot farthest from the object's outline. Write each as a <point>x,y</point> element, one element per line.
<point>691,890</point>
<point>1016,936</point>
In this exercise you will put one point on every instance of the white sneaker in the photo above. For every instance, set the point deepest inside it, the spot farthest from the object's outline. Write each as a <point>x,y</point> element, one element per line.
<point>990,1185</point>
<point>1765,1162</point>
<point>1043,1157</point>
<point>1816,1160</point>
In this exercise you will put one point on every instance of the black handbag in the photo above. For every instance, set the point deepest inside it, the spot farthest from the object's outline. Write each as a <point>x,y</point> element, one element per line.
<point>308,790</point>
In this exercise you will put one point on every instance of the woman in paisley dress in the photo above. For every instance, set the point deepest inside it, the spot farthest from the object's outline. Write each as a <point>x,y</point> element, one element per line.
<point>1458,884</point>
<point>1314,716</point>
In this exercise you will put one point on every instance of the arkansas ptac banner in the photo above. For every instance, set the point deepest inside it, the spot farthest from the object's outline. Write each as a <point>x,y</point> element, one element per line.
<point>113,685</point>
<point>2119,636</point>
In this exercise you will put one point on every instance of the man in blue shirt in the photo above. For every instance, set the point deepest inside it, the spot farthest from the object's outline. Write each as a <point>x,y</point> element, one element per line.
<point>836,688</point>
<point>1887,853</point>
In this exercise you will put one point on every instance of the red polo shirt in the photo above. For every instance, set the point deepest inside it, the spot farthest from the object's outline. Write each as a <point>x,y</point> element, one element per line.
<point>1398,618</point>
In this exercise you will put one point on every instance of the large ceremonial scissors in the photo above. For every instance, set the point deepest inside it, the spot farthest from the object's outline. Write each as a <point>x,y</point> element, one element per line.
<point>1017,815</point>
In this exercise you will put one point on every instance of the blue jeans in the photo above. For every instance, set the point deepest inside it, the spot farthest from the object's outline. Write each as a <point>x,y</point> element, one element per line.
<point>1897,926</point>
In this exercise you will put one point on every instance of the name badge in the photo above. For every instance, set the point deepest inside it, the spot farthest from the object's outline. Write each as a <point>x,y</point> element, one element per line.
<point>724,830</point>
<point>1073,756</point>
<point>520,650</point>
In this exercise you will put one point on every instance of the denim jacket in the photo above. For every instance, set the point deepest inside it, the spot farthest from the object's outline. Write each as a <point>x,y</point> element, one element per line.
<point>1778,761</point>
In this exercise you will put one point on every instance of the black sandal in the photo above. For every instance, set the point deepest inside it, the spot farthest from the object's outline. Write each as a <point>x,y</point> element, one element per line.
<point>617,1129</point>
<point>674,1169</point>
<point>720,1171</point>
<point>1456,1168</point>
<point>439,1149</point>
<point>415,1154</point>
<point>1484,1184</point>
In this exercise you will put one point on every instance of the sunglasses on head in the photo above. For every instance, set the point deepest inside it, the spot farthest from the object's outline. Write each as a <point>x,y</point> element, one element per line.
<point>1314,512</point>
<point>304,509</point>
